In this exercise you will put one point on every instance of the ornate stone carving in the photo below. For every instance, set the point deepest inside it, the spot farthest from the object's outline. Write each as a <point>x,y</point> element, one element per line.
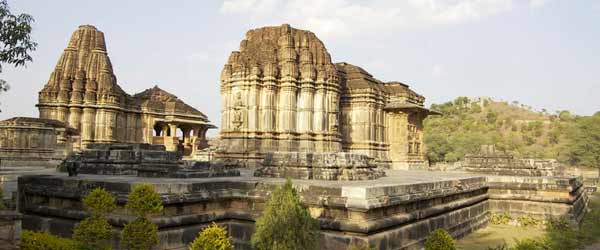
<point>302,102</point>
<point>83,81</point>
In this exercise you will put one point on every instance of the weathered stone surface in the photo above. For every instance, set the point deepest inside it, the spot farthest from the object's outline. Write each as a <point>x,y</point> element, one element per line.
<point>538,197</point>
<point>493,162</point>
<point>10,226</point>
<point>83,92</point>
<point>146,160</point>
<point>319,166</point>
<point>282,93</point>
<point>28,142</point>
<point>394,212</point>
<point>532,188</point>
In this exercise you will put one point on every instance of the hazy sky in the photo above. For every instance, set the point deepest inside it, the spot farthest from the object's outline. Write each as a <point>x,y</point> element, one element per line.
<point>544,53</point>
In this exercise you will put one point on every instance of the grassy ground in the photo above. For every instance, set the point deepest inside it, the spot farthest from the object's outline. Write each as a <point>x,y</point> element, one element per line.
<point>495,235</point>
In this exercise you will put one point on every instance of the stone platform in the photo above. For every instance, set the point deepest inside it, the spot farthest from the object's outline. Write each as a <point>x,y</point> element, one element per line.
<point>394,212</point>
<point>539,198</point>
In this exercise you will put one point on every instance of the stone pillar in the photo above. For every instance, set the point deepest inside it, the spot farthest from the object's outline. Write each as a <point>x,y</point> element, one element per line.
<point>319,109</point>
<point>75,117</point>
<point>88,126</point>
<point>306,107</point>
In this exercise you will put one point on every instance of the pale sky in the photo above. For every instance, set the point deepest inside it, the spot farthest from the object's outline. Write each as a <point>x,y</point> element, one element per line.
<point>544,53</point>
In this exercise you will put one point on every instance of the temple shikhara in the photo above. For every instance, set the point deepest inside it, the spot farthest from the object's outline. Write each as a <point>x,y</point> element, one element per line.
<point>350,142</point>
<point>281,92</point>
<point>83,92</point>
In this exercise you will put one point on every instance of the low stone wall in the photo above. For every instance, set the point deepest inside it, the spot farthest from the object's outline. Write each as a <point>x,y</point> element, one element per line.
<point>394,212</point>
<point>319,166</point>
<point>540,198</point>
<point>10,226</point>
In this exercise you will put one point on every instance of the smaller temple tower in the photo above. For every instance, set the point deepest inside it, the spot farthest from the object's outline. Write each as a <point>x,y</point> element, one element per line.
<point>83,92</point>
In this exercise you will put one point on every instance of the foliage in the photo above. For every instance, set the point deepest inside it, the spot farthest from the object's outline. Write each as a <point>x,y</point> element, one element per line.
<point>285,223</point>
<point>584,148</point>
<point>144,200</point>
<point>465,126</point>
<point>15,39</point>
<point>212,238</point>
<point>528,221</point>
<point>99,201</point>
<point>93,233</point>
<point>529,244</point>
<point>31,240</point>
<point>439,239</point>
<point>139,234</point>
<point>500,218</point>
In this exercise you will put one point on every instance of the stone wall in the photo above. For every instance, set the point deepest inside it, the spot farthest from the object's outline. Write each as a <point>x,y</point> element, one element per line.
<point>393,212</point>
<point>541,198</point>
<point>33,142</point>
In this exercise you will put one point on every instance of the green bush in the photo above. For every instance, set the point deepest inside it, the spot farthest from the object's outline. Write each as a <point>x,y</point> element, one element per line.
<point>212,238</point>
<point>528,221</point>
<point>144,200</point>
<point>439,239</point>
<point>139,234</point>
<point>529,244</point>
<point>45,241</point>
<point>500,219</point>
<point>285,223</point>
<point>99,201</point>
<point>93,233</point>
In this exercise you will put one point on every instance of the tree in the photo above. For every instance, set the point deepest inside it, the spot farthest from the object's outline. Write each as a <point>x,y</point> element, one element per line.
<point>584,146</point>
<point>285,224</point>
<point>213,237</point>
<point>141,234</point>
<point>15,39</point>
<point>94,232</point>
<point>439,239</point>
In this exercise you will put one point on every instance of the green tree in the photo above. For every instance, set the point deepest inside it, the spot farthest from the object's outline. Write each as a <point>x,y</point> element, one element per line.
<point>15,39</point>
<point>213,237</point>
<point>144,200</point>
<point>584,146</point>
<point>31,240</point>
<point>285,224</point>
<point>141,234</point>
<point>94,232</point>
<point>439,239</point>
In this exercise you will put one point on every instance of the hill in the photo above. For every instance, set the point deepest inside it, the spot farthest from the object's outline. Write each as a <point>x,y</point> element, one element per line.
<point>467,123</point>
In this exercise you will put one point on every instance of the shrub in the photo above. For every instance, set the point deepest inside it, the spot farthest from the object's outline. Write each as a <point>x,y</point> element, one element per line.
<point>212,238</point>
<point>528,221</point>
<point>44,241</point>
<point>139,234</point>
<point>99,201</point>
<point>528,244</point>
<point>285,223</point>
<point>500,219</point>
<point>439,239</point>
<point>93,233</point>
<point>144,200</point>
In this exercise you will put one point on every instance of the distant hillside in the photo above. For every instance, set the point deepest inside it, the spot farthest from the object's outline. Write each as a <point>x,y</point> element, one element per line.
<point>467,123</point>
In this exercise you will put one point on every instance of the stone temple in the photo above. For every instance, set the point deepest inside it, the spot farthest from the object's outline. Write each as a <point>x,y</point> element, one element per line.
<point>281,92</point>
<point>345,138</point>
<point>83,92</point>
